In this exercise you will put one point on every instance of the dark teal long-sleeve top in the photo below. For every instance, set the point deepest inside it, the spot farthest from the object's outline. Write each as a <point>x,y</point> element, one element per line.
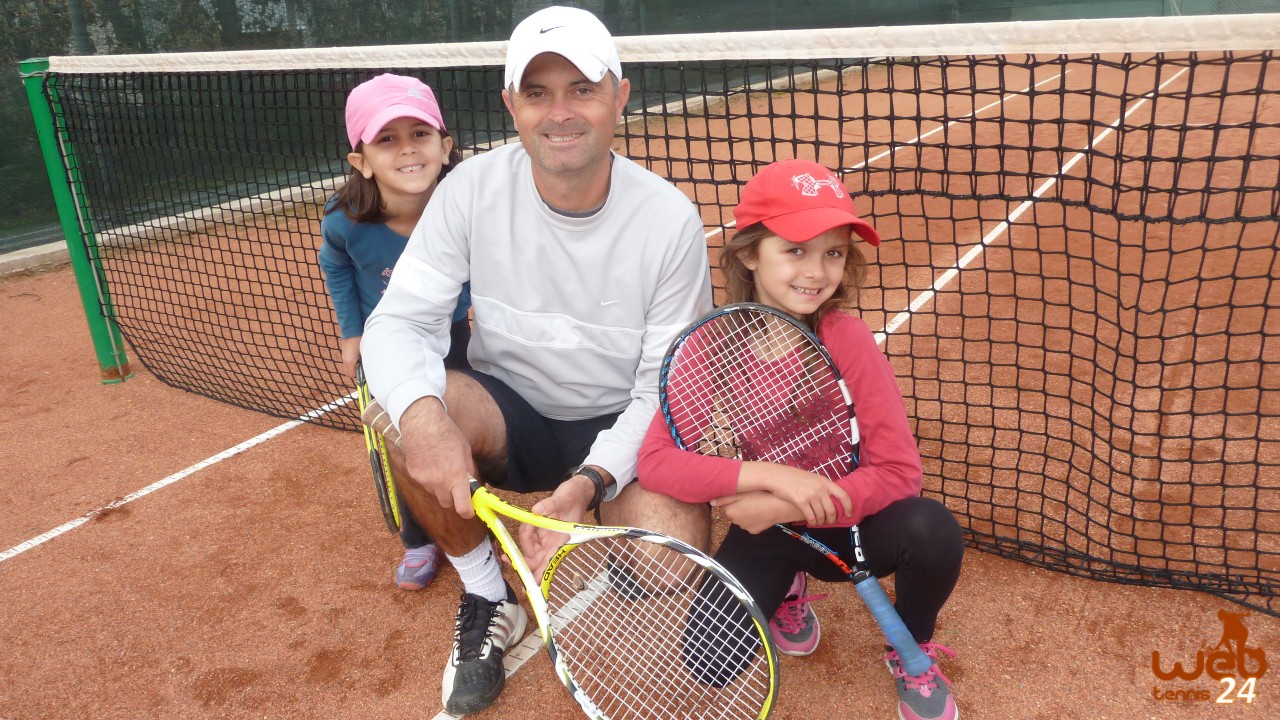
<point>357,259</point>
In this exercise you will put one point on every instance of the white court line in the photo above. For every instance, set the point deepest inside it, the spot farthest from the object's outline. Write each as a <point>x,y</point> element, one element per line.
<point>212,460</point>
<point>1002,100</point>
<point>954,271</point>
<point>940,128</point>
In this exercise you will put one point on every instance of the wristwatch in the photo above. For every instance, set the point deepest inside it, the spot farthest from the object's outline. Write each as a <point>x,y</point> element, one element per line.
<point>596,479</point>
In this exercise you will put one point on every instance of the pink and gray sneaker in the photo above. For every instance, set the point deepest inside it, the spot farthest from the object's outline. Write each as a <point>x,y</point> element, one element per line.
<point>926,696</point>
<point>419,567</point>
<point>794,625</point>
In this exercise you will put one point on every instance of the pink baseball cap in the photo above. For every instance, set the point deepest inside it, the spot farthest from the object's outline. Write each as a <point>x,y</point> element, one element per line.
<point>799,200</point>
<point>374,103</point>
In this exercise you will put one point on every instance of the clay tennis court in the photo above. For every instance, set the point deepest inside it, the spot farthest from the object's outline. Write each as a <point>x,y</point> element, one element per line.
<point>259,585</point>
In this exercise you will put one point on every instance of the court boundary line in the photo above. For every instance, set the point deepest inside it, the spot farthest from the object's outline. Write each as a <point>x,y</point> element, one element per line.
<point>1000,229</point>
<point>252,442</point>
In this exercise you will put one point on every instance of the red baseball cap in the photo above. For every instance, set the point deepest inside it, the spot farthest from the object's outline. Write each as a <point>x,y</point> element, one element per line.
<point>799,200</point>
<point>374,103</point>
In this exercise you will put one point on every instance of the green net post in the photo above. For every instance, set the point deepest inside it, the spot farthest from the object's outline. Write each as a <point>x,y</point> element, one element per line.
<point>108,344</point>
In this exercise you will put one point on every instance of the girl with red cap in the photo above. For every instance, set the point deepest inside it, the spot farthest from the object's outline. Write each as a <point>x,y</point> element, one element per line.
<point>794,251</point>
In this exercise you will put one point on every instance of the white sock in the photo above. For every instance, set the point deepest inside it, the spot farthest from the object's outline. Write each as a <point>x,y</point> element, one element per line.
<point>481,573</point>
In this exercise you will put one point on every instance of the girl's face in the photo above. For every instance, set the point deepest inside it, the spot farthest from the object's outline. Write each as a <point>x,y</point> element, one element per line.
<point>799,277</point>
<point>405,157</point>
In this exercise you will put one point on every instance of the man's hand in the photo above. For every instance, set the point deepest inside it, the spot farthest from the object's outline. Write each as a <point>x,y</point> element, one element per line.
<point>437,454</point>
<point>569,503</point>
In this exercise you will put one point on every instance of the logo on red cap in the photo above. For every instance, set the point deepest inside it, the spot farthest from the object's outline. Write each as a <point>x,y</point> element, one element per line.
<point>810,185</point>
<point>790,197</point>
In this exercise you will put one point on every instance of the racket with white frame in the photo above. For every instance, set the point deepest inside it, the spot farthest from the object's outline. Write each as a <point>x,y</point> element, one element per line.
<point>637,624</point>
<point>748,381</point>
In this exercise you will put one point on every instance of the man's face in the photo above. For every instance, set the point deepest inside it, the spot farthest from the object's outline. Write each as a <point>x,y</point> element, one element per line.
<point>566,122</point>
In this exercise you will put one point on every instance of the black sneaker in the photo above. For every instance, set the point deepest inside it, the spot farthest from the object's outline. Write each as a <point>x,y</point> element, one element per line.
<point>482,634</point>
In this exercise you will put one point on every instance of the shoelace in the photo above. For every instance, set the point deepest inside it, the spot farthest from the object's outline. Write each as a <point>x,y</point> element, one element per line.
<point>926,682</point>
<point>789,616</point>
<point>471,633</point>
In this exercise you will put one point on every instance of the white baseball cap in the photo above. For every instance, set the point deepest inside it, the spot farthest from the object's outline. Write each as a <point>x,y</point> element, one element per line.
<point>573,33</point>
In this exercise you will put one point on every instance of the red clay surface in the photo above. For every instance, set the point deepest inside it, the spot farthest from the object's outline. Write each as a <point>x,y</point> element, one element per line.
<point>260,586</point>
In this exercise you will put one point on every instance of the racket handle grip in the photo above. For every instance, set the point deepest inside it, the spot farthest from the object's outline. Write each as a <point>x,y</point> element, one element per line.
<point>379,420</point>
<point>914,661</point>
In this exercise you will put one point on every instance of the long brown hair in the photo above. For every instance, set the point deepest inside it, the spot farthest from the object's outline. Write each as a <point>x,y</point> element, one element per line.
<point>360,198</point>
<point>740,282</point>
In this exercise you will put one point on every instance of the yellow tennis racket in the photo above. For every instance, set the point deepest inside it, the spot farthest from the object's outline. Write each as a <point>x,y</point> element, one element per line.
<point>383,481</point>
<point>638,625</point>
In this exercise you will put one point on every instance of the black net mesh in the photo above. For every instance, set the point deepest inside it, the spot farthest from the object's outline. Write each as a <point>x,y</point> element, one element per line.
<point>1077,289</point>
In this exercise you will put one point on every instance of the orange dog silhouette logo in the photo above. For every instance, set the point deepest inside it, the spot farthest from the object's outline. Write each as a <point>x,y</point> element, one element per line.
<point>1231,662</point>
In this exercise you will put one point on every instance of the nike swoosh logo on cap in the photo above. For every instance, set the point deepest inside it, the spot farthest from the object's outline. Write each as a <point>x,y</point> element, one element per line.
<point>544,31</point>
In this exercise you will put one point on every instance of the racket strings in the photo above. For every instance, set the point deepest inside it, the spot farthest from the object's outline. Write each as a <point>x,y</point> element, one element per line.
<point>753,387</point>
<point>595,625</point>
<point>645,632</point>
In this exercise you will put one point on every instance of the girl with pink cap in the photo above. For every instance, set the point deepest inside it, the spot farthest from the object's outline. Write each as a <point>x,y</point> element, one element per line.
<point>400,150</point>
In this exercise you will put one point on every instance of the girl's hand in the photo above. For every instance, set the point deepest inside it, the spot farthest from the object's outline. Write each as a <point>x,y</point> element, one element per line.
<point>813,495</point>
<point>756,511</point>
<point>350,348</point>
<point>819,500</point>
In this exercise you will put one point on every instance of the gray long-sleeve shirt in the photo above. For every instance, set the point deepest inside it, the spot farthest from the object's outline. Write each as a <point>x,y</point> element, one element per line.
<point>574,314</point>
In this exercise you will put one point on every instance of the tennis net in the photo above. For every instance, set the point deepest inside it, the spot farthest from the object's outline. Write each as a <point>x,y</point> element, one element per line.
<point>1078,291</point>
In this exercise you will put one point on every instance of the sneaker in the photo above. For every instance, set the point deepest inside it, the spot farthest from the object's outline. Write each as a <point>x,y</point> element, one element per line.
<point>418,568</point>
<point>926,696</point>
<point>794,625</point>
<point>483,632</point>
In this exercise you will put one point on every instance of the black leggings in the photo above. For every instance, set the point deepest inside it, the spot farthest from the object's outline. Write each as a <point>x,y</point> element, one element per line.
<point>916,539</point>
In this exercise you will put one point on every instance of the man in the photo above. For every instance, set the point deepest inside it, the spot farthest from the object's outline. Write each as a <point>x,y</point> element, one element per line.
<point>583,267</point>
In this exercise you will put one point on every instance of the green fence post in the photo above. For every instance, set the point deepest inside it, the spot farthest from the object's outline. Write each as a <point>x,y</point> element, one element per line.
<point>113,364</point>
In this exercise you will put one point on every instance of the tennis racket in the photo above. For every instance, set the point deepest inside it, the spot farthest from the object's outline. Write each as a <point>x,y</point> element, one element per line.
<point>383,482</point>
<point>639,625</point>
<point>747,381</point>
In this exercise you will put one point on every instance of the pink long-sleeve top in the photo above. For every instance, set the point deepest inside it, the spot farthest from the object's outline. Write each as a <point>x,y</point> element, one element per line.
<point>889,462</point>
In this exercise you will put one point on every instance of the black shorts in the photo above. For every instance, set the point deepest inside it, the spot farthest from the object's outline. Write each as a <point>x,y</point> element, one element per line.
<point>540,450</point>
<point>459,339</point>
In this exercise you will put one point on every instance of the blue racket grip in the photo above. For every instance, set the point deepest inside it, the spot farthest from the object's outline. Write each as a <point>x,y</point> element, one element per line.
<point>895,631</point>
